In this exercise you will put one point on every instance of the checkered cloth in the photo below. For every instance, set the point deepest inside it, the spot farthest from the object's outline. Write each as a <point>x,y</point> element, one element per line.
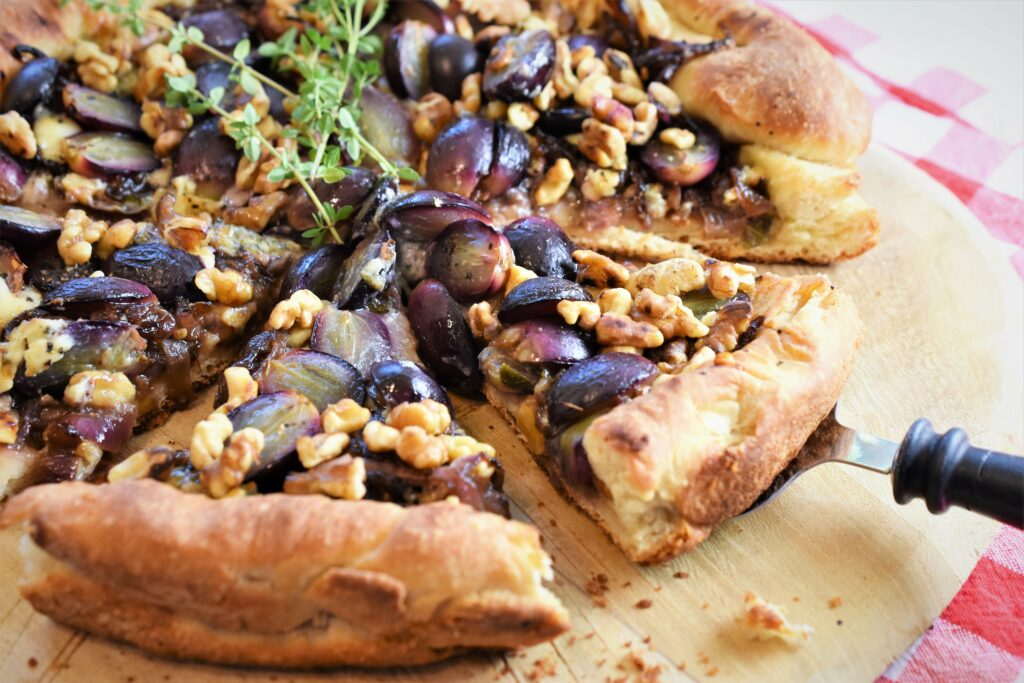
<point>952,128</point>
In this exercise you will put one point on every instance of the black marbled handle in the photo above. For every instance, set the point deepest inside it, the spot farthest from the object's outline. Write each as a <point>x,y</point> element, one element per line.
<point>945,469</point>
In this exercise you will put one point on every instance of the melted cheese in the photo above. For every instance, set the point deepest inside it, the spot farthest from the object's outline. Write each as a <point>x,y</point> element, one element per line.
<point>39,342</point>
<point>13,305</point>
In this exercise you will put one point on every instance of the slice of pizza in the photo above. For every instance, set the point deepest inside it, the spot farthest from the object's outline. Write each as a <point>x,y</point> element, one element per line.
<point>712,122</point>
<point>328,512</point>
<point>662,397</point>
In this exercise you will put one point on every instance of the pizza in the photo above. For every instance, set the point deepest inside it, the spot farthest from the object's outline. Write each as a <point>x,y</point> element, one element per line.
<point>537,204</point>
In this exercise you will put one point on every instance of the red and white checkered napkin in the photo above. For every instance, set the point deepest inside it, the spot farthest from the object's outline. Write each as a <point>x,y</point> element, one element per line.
<point>952,128</point>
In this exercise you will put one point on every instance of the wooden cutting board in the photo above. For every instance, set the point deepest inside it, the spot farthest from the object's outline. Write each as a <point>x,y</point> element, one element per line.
<point>944,337</point>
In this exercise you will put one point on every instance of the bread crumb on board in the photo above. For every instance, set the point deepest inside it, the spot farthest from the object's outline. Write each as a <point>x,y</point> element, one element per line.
<point>835,602</point>
<point>765,621</point>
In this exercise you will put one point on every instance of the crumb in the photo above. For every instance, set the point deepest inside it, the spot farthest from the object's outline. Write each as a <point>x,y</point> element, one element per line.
<point>627,584</point>
<point>681,575</point>
<point>839,622</point>
<point>644,604</point>
<point>796,598</point>
<point>702,658</point>
<point>647,640</point>
<point>33,662</point>
<point>597,586</point>
<point>540,503</point>
<point>642,671</point>
<point>835,602</point>
<point>764,621</point>
<point>628,643</point>
<point>554,522</point>
<point>601,662</point>
<point>590,635</point>
<point>542,668</point>
<point>571,641</point>
<point>712,671</point>
<point>681,666</point>
<point>705,606</point>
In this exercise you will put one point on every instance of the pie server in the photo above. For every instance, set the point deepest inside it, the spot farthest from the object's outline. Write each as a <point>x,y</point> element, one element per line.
<point>944,469</point>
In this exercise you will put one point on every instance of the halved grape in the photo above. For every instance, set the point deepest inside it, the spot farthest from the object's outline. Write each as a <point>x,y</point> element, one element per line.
<point>32,85</point>
<point>316,271</point>
<point>24,228</point>
<point>208,157</point>
<point>406,60</point>
<point>108,154</point>
<point>359,337</point>
<point>100,110</point>
<point>283,418</point>
<point>471,259</point>
<point>387,125</point>
<point>684,167</point>
<point>402,381</point>
<point>444,340</point>
<point>538,298</point>
<point>421,10</point>
<point>222,29</point>
<point>167,272</point>
<point>368,272</point>
<point>595,384</point>
<point>322,378</point>
<point>461,154</point>
<point>452,58</point>
<point>543,247</point>
<point>422,215</point>
<point>519,66</point>
<point>12,177</point>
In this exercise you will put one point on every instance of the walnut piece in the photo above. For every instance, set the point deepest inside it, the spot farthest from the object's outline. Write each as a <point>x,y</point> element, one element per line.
<point>99,389</point>
<point>343,477</point>
<point>226,473</point>
<point>621,330</point>
<point>344,416</point>
<point>554,184</point>
<point>17,136</point>
<point>208,438</point>
<point>77,235</point>
<point>320,448</point>
<point>428,415</point>
<point>598,270</point>
<point>228,287</point>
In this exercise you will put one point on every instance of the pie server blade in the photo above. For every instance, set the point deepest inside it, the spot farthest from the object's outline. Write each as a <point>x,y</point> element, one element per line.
<point>943,469</point>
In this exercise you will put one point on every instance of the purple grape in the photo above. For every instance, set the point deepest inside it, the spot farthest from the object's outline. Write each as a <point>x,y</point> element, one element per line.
<point>95,109</point>
<point>421,216</point>
<point>596,383</point>
<point>471,259</point>
<point>538,298</point>
<point>543,247</point>
<point>322,378</point>
<point>32,85</point>
<point>451,59</point>
<point>108,154</point>
<point>406,58</point>
<point>519,66</point>
<point>683,167</point>
<point>443,337</point>
<point>208,157</point>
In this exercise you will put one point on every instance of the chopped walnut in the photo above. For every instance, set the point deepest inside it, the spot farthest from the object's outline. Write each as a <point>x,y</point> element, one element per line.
<point>599,270</point>
<point>615,300</point>
<point>603,144</point>
<point>433,113</point>
<point>593,86</point>
<point>184,232</point>
<point>256,214</point>
<point>495,110</point>
<point>725,279</point>
<point>139,464</point>
<point>208,438</point>
<point>673,276</point>
<point>420,449</point>
<point>228,287</point>
<point>517,275</point>
<point>241,388</point>
<point>669,314</point>
<point>628,94</point>
<point>654,201</point>
<point>17,136</point>
<point>645,122</point>
<point>651,18</point>
<point>118,236</point>
<point>461,445</point>
<point>599,183</point>
<point>343,477</point>
<point>614,113</point>
<point>522,115</point>
<point>226,473</point>
<point>482,321</point>
<point>546,98</point>
<point>554,184</point>
<point>344,416</point>
<point>379,437</point>
<point>469,102</point>
<point>431,416</point>
<point>564,78</point>
<point>96,68</point>
<point>319,448</point>
<point>165,125</point>
<point>666,97</point>
<point>680,138</point>
<point>156,63</point>
<point>99,389</point>
<point>585,314</point>
<point>296,314</point>
<point>621,330</point>
<point>505,12</point>
<point>77,235</point>
<point>587,63</point>
<point>731,321</point>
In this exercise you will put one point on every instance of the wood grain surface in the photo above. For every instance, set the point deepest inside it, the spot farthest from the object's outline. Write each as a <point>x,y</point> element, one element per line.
<point>944,338</point>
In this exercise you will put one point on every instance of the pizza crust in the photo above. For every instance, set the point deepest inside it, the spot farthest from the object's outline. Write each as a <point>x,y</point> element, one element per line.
<point>778,87</point>
<point>700,447</point>
<point>276,580</point>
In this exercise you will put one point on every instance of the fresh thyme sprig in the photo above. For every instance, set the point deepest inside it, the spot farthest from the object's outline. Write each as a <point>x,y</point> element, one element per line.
<point>334,62</point>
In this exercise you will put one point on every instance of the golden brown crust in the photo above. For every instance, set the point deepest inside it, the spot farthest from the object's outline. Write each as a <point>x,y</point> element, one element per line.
<point>44,25</point>
<point>778,87</point>
<point>295,581</point>
<point>701,447</point>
